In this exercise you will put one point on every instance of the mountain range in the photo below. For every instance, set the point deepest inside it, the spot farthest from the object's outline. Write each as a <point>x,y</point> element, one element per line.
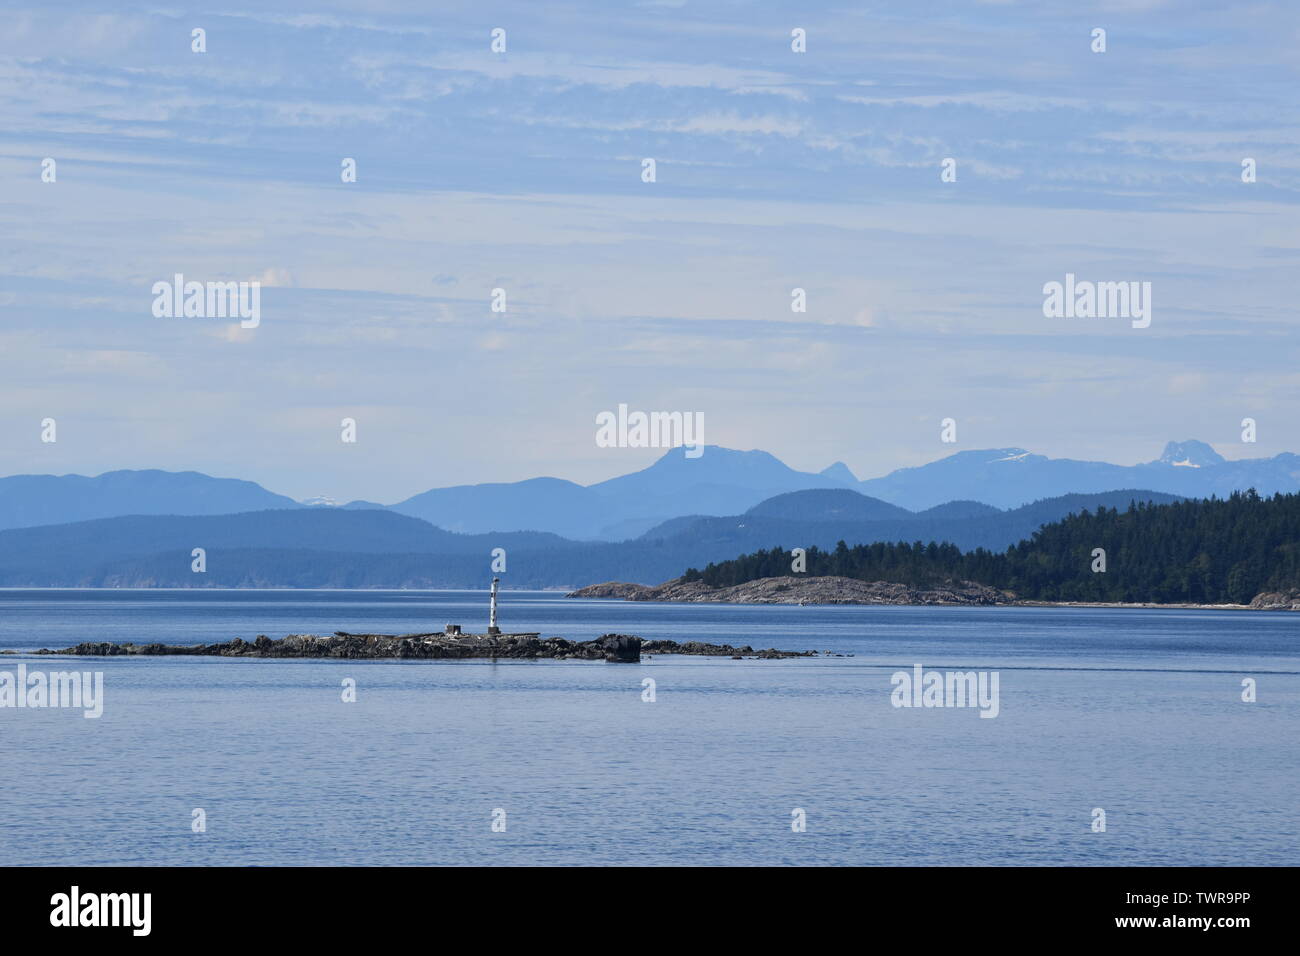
<point>342,548</point>
<point>1009,477</point>
<point>721,482</point>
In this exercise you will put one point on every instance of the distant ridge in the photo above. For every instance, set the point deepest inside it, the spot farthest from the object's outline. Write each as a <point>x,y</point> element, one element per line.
<point>828,504</point>
<point>971,509</point>
<point>1010,477</point>
<point>31,500</point>
<point>337,547</point>
<point>721,482</point>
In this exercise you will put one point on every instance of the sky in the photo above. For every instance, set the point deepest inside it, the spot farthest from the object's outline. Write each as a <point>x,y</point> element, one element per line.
<point>522,170</point>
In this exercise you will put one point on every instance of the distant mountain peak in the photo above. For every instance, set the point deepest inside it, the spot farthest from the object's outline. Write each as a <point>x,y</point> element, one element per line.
<point>715,464</point>
<point>733,456</point>
<point>828,504</point>
<point>1189,454</point>
<point>1009,454</point>
<point>839,472</point>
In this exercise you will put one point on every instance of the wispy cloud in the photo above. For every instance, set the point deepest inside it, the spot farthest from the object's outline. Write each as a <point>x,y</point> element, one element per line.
<point>776,170</point>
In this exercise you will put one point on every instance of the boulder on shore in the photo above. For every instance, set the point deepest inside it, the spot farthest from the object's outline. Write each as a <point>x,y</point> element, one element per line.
<point>620,648</point>
<point>1277,601</point>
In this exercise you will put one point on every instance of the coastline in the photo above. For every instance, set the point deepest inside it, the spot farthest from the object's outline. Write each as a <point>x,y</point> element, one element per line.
<point>830,591</point>
<point>1140,605</point>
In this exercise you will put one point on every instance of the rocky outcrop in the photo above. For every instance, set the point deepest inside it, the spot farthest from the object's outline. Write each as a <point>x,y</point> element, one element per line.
<point>615,648</point>
<point>436,646</point>
<point>812,590</point>
<point>1277,601</point>
<point>620,648</point>
<point>701,649</point>
<point>610,589</point>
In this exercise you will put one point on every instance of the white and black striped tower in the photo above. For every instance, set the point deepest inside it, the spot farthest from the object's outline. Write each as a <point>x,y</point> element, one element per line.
<point>492,614</point>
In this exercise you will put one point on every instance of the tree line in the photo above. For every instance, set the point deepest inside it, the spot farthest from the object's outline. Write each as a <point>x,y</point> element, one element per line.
<point>1211,551</point>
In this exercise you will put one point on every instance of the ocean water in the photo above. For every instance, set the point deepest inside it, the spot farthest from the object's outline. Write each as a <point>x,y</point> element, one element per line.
<point>1136,712</point>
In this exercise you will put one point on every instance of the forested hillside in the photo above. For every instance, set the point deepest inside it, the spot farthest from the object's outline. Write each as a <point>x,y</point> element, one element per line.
<point>1203,551</point>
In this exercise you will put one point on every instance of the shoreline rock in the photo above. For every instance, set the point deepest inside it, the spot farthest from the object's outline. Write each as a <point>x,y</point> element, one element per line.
<point>804,590</point>
<point>1276,601</point>
<point>614,648</point>
<point>613,589</point>
<point>839,590</point>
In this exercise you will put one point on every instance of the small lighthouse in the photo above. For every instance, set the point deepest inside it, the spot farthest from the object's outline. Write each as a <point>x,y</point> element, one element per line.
<point>492,613</point>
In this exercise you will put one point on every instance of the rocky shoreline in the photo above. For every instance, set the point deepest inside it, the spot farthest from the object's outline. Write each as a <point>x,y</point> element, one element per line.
<point>1276,601</point>
<point>803,590</point>
<point>839,590</point>
<point>615,648</point>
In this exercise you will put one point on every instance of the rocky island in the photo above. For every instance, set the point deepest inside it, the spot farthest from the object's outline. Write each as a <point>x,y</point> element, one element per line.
<point>802,590</point>
<point>616,648</point>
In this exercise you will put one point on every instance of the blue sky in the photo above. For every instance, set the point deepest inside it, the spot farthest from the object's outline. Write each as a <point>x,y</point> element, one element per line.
<point>521,170</point>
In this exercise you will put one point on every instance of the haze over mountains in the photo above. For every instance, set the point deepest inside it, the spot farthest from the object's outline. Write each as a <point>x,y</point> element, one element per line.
<point>30,500</point>
<point>1009,477</point>
<point>335,547</point>
<point>720,482</point>
<point>139,528</point>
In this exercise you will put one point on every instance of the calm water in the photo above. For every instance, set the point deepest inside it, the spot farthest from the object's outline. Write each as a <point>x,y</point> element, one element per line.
<point>1137,712</point>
